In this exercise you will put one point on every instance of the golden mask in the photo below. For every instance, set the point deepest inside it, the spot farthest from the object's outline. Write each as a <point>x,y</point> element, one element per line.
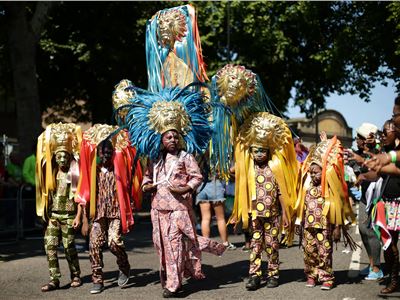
<point>121,96</point>
<point>169,115</point>
<point>99,132</point>
<point>63,137</point>
<point>264,130</point>
<point>171,27</point>
<point>235,84</point>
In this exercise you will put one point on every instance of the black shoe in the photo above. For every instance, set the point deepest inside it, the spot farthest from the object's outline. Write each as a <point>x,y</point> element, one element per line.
<point>168,294</point>
<point>253,283</point>
<point>123,278</point>
<point>97,288</point>
<point>272,282</point>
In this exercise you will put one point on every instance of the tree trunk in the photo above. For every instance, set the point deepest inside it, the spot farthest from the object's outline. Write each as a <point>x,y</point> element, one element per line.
<point>22,43</point>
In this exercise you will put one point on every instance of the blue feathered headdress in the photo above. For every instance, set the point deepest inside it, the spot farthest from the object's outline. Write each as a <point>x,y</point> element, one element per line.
<point>152,114</point>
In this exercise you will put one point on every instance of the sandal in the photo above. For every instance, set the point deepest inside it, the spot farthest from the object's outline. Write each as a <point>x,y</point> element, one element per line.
<point>391,288</point>
<point>76,281</point>
<point>51,286</point>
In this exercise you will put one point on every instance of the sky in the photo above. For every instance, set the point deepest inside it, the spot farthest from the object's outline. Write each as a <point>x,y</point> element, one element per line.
<point>355,110</point>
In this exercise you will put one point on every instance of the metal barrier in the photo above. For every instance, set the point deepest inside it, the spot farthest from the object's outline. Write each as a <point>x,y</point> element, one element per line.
<point>17,216</point>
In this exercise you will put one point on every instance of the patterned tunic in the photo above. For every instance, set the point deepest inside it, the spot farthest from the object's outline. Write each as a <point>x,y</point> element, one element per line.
<point>266,204</point>
<point>178,171</point>
<point>314,206</point>
<point>62,200</point>
<point>107,202</point>
<point>317,238</point>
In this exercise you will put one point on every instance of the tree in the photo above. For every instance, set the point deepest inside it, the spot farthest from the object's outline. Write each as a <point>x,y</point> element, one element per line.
<point>301,50</point>
<point>23,30</point>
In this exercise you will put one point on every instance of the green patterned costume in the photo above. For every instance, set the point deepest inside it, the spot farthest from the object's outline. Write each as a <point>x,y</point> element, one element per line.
<point>62,211</point>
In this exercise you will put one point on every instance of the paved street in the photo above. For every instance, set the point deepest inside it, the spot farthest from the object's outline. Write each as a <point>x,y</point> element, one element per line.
<point>23,270</point>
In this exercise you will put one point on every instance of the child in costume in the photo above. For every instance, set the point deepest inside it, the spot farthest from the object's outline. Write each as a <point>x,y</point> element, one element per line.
<point>168,127</point>
<point>322,209</point>
<point>107,188</point>
<point>267,182</point>
<point>55,203</point>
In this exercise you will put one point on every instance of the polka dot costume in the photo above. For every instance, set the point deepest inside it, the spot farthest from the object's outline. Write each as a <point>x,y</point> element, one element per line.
<point>317,238</point>
<point>265,223</point>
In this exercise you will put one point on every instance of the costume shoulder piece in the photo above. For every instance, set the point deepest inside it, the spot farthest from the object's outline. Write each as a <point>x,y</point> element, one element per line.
<point>173,49</point>
<point>57,137</point>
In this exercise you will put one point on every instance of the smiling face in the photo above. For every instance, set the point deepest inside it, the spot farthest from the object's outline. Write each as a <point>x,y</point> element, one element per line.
<point>315,174</point>
<point>389,134</point>
<point>170,141</point>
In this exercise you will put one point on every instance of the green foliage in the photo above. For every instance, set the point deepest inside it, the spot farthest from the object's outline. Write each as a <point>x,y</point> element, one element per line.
<point>304,50</point>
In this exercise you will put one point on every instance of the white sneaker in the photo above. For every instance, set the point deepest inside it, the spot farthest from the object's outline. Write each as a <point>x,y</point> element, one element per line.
<point>229,246</point>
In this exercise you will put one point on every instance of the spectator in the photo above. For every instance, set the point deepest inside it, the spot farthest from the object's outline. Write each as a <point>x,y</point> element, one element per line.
<point>28,168</point>
<point>366,144</point>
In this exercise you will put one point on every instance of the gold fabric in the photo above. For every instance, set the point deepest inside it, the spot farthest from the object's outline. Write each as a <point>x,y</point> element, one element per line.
<point>176,72</point>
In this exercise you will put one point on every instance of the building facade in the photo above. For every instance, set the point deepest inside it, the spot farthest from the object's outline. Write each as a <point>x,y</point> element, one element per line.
<point>330,121</point>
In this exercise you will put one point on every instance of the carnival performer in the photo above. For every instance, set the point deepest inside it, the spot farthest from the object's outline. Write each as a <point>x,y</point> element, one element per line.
<point>57,178</point>
<point>173,49</point>
<point>269,177</point>
<point>322,209</point>
<point>109,191</point>
<point>168,127</point>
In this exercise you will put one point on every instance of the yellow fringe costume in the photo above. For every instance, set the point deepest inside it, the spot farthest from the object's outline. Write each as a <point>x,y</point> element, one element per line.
<point>266,131</point>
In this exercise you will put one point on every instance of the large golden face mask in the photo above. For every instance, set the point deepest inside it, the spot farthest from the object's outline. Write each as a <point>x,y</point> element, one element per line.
<point>235,84</point>
<point>63,139</point>
<point>121,96</point>
<point>164,116</point>
<point>171,27</point>
<point>264,130</point>
<point>99,132</point>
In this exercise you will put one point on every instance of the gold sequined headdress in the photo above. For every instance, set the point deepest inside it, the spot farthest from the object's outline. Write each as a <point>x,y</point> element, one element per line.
<point>235,84</point>
<point>265,130</point>
<point>122,94</point>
